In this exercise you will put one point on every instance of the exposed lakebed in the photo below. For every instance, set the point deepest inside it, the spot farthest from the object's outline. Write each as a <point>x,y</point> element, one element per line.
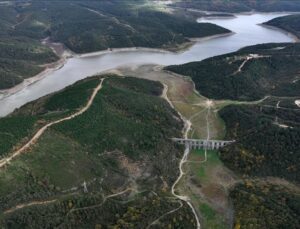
<point>246,31</point>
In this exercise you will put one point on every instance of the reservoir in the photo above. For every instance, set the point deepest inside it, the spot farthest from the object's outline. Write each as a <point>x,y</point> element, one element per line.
<point>246,28</point>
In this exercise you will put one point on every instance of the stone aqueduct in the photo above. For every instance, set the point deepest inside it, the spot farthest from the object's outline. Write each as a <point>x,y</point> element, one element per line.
<point>202,144</point>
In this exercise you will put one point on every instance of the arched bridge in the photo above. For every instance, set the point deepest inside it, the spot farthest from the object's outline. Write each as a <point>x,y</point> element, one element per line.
<point>202,144</point>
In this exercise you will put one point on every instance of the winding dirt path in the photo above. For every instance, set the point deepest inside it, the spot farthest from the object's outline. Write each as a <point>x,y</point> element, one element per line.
<point>168,213</point>
<point>164,95</point>
<point>115,19</point>
<point>183,160</point>
<point>40,132</point>
<point>103,201</point>
<point>33,203</point>
<point>247,58</point>
<point>23,20</point>
<point>241,66</point>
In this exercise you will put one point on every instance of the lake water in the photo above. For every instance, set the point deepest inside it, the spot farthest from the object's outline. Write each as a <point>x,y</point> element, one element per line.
<point>247,32</point>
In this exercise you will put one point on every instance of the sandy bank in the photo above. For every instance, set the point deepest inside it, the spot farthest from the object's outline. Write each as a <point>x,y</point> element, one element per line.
<point>201,39</point>
<point>175,49</point>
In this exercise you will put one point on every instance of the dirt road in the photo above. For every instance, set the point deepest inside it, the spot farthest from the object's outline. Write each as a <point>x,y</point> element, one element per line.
<point>40,132</point>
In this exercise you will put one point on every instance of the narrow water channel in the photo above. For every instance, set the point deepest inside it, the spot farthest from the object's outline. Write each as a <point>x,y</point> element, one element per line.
<point>246,28</point>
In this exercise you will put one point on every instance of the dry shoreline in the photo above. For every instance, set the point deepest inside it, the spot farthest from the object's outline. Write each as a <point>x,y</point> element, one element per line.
<point>212,37</point>
<point>241,13</point>
<point>295,38</point>
<point>177,49</point>
<point>119,50</point>
<point>67,54</point>
<point>51,67</point>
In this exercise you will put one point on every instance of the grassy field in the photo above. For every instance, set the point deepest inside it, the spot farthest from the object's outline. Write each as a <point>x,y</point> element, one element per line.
<point>208,188</point>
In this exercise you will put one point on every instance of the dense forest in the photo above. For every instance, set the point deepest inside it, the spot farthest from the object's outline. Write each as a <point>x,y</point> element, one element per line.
<point>96,25</point>
<point>240,5</point>
<point>85,26</point>
<point>267,140</point>
<point>248,74</point>
<point>120,148</point>
<point>92,211</point>
<point>265,205</point>
<point>290,23</point>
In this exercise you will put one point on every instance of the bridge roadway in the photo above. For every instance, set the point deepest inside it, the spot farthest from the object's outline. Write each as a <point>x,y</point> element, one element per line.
<point>202,144</point>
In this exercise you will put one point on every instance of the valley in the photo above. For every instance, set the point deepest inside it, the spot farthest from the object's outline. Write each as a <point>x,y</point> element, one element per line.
<point>79,67</point>
<point>89,144</point>
<point>266,131</point>
<point>88,26</point>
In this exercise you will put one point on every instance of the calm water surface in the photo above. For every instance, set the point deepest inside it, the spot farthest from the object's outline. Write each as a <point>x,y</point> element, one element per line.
<point>247,32</point>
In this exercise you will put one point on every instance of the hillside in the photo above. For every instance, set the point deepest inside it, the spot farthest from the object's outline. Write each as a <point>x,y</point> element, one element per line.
<point>96,25</point>
<point>235,6</point>
<point>267,131</point>
<point>21,58</point>
<point>111,166</point>
<point>266,153</point>
<point>20,55</point>
<point>85,26</point>
<point>290,23</point>
<point>267,139</point>
<point>249,74</point>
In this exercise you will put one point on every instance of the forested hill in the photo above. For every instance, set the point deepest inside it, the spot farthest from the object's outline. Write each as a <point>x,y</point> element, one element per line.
<point>290,23</point>
<point>85,26</point>
<point>267,138</point>
<point>109,167</point>
<point>248,74</point>
<point>20,55</point>
<point>241,5</point>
